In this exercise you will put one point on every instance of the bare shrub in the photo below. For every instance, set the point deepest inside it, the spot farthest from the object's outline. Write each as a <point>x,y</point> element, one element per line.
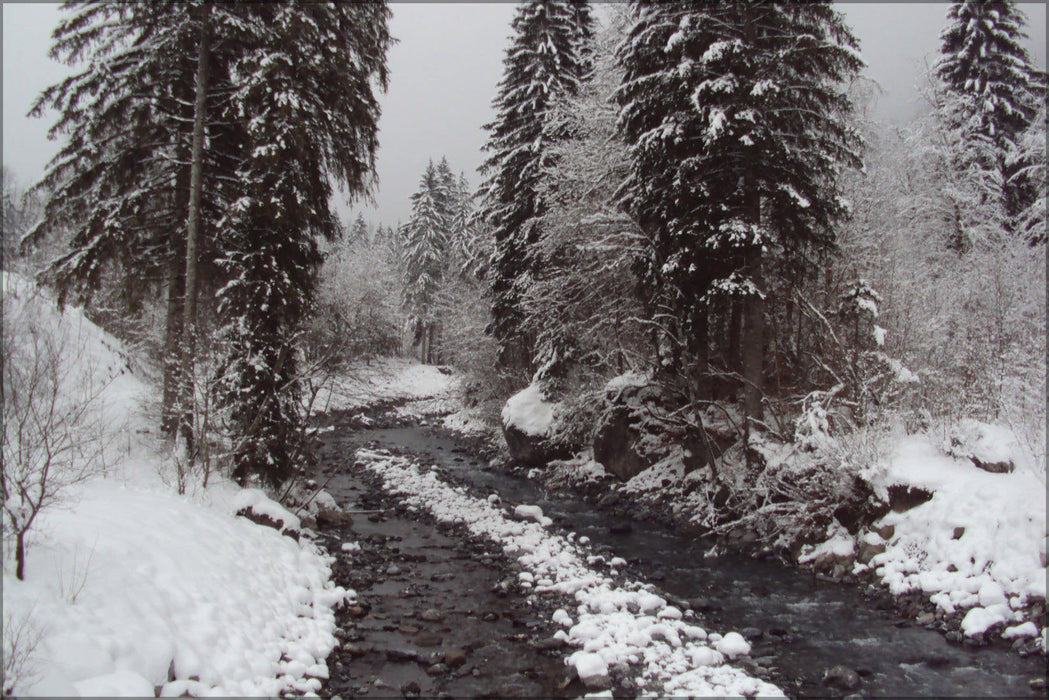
<point>22,635</point>
<point>53,433</point>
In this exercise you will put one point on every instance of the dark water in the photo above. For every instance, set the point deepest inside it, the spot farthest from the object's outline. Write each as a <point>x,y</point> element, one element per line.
<point>806,624</point>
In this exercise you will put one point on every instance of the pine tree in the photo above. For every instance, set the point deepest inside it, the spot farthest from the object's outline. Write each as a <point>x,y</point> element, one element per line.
<point>358,232</point>
<point>121,181</point>
<point>743,105</point>
<point>306,73</point>
<point>425,259</point>
<point>548,56</point>
<point>985,65</point>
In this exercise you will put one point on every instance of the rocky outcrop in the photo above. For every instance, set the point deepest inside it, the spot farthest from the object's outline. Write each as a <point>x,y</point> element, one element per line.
<point>631,435</point>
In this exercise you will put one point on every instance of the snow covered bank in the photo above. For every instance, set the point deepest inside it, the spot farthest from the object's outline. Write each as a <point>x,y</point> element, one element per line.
<point>977,544</point>
<point>615,621</point>
<point>129,587</point>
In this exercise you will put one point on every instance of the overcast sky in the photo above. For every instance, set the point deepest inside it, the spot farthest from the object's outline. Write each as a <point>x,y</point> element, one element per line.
<point>444,72</point>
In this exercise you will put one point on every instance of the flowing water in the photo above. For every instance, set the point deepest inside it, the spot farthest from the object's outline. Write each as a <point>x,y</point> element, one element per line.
<point>806,625</point>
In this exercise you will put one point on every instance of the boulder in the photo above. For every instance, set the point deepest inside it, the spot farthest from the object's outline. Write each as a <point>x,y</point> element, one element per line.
<point>533,450</point>
<point>903,498</point>
<point>625,424</point>
<point>614,445</point>
<point>531,431</point>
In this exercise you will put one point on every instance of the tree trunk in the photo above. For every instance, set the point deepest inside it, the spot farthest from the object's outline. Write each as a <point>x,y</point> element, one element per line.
<point>196,180</point>
<point>735,322</point>
<point>701,334</point>
<point>754,323</point>
<point>176,290</point>
<point>20,555</point>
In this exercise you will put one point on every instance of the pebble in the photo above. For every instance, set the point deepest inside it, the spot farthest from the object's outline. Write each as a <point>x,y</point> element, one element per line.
<point>393,570</point>
<point>490,617</point>
<point>432,615</point>
<point>436,670</point>
<point>842,677</point>
<point>410,689</point>
<point>454,657</point>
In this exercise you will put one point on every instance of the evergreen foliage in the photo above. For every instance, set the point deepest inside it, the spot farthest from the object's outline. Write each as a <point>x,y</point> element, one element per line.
<point>985,66</point>
<point>736,118</point>
<point>548,57</point>
<point>289,107</point>
<point>425,256</point>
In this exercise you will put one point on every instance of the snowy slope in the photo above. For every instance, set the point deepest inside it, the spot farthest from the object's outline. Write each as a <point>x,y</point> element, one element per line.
<point>129,584</point>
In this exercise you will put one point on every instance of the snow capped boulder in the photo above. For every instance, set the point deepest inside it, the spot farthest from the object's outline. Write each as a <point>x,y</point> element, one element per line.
<point>591,669</point>
<point>530,428</point>
<point>988,447</point>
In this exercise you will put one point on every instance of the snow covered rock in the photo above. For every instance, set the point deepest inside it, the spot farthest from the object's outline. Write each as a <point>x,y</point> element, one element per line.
<point>530,429</point>
<point>260,509</point>
<point>591,669</point>
<point>988,447</point>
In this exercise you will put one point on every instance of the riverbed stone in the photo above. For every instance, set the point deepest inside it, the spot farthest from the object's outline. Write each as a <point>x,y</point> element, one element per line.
<point>842,677</point>
<point>432,615</point>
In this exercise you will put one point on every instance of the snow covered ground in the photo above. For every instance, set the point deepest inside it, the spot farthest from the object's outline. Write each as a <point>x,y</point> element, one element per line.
<point>977,544</point>
<point>612,621</point>
<point>131,588</point>
<point>388,379</point>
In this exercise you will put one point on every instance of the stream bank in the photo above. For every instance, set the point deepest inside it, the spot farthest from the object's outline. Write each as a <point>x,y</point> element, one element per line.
<point>800,627</point>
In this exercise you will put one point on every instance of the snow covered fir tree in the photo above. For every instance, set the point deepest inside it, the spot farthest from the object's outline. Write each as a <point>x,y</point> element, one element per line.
<point>541,349</point>
<point>548,57</point>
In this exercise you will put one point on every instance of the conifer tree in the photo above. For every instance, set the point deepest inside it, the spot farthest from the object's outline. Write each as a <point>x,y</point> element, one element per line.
<point>549,55</point>
<point>121,181</point>
<point>425,254</point>
<point>984,64</point>
<point>306,75</point>
<point>744,105</point>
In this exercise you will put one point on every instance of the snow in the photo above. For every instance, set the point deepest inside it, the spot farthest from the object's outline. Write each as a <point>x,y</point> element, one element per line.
<point>589,666</point>
<point>529,412</point>
<point>533,513</point>
<point>616,621</point>
<point>387,379</point>
<point>975,545</point>
<point>126,580</point>
<point>733,645</point>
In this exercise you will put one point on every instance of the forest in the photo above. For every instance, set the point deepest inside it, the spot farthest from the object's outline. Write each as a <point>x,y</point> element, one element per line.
<point>697,287</point>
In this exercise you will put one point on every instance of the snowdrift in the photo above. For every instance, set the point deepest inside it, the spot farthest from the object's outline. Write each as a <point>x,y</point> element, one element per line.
<point>132,589</point>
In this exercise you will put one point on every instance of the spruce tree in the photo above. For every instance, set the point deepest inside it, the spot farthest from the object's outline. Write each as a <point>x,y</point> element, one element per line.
<point>425,253</point>
<point>306,72</point>
<point>744,105</point>
<point>121,182</point>
<point>549,55</point>
<point>984,64</point>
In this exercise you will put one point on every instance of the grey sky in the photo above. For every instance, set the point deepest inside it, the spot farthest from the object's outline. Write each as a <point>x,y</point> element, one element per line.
<point>444,72</point>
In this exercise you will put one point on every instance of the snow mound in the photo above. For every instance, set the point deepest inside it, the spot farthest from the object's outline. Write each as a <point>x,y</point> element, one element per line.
<point>529,412</point>
<point>979,542</point>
